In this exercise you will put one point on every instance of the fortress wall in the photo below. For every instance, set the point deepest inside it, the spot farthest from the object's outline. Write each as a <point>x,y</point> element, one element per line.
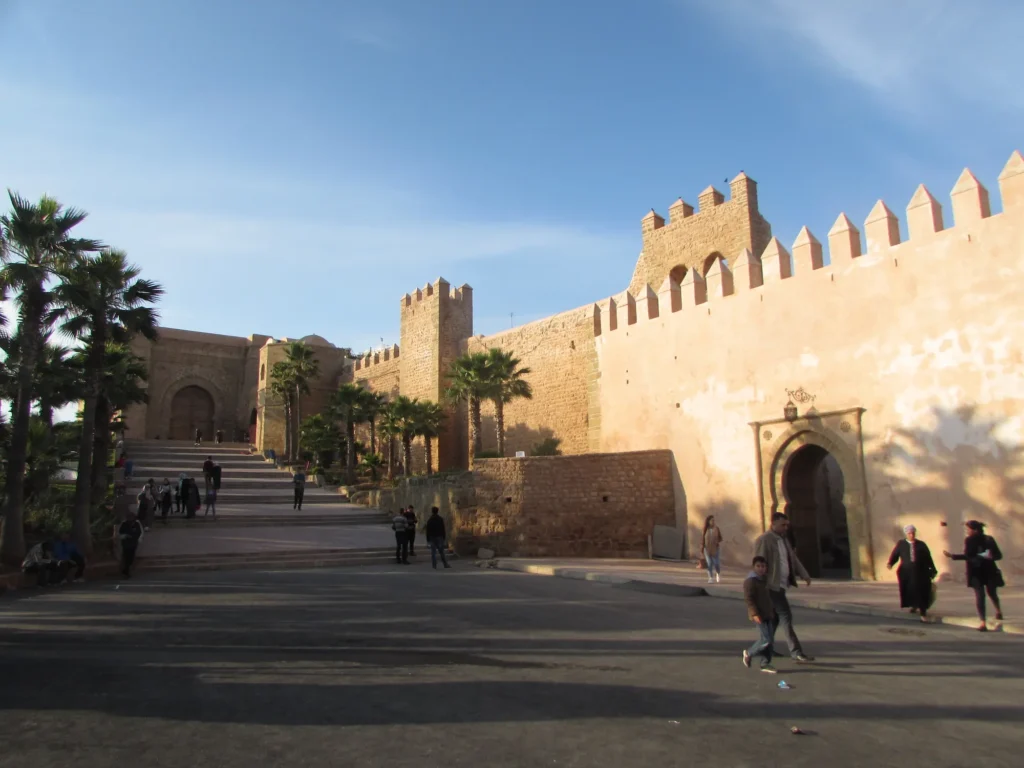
<point>560,353</point>
<point>925,335</point>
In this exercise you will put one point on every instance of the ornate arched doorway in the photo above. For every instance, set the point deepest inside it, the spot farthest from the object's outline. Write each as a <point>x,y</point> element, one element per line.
<point>813,489</point>
<point>192,408</point>
<point>812,468</point>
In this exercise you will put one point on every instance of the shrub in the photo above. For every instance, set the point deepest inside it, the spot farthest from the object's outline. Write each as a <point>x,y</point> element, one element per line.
<point>489,455</point>
<point>547,447</point>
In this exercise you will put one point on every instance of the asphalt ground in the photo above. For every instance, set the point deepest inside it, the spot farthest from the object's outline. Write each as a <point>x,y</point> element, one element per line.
<point>406,666</point>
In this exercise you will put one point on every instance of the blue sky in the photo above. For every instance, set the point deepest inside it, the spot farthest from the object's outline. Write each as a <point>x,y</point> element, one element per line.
<point>294,168</point>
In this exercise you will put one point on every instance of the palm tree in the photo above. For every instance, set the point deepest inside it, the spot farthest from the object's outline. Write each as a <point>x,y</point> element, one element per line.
<point>282,385</point>
<point>507,384</point>
<point>406,413</point>
<point>389,428</point>
<point>103,300</point>
<point>35,242</point>
<point>347,405</point>
<point>372,462</point>
<point>305,368</point>
<point>468,382</point>
<point>430,422</point>
<point>321,436</point>
<point>373,405</point>
<point>123,375</point>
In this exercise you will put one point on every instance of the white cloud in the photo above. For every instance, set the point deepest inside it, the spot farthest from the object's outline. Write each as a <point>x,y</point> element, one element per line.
<point>917,55</point>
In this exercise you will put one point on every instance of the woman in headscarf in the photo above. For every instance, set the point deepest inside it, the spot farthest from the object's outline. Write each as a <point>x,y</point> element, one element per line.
<point>915,573</point>
<point>983,575</point>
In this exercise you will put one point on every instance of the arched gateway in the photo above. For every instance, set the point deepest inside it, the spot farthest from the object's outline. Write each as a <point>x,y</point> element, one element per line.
<point>812,469</point>
<point>191,408</point>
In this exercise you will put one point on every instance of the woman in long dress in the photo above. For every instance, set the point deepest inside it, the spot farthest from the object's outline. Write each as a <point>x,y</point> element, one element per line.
<point>711,544</point>
<point>915,573</point>
<point>983,575</point>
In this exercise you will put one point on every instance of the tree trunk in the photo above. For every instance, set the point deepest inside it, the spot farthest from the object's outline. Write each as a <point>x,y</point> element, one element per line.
<point>287,429</point>
<point>407,453</point>
<point>101,451</point>
<point>391,458</point>
<point>12,537</point>
<point>428,454</point>
<point>373,435</point>
<point>499,424</point>
<point>298,425</point>
<point>83,482</point>
<point>475,445</point>
<point>46,414</point>
<point>350,459</point>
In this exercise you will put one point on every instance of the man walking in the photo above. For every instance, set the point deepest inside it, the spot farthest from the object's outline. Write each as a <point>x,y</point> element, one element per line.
<point>783,568</point>
<point>299,484</point>
<point>207,474</point>
<point>399,524</point>
<point>410,516</point>
<point>436,536</point>
<point>130,534</point>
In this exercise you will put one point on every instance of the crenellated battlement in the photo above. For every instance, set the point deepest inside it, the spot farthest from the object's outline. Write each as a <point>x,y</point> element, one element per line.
<point>694,238</point>
<point>755,270</point>
<point>439,290</point>
<point>375,357</point>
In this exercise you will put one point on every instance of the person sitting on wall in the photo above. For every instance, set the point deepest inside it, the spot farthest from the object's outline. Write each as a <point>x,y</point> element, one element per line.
<point>67,554</point>
<point>40,562</point>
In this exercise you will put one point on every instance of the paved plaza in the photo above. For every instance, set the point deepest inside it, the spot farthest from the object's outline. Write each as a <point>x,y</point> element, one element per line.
<point>390,666</point>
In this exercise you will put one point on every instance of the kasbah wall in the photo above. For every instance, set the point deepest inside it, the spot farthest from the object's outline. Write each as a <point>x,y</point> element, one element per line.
<point>901,354</point>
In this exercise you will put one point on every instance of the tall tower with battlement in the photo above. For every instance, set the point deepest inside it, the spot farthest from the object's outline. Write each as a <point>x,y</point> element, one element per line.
<point>719,228</point>
<point>435,320</point>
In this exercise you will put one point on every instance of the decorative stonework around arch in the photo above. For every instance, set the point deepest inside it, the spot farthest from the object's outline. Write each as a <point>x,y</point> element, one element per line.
<point>839,433</point>
<point>180,383</point>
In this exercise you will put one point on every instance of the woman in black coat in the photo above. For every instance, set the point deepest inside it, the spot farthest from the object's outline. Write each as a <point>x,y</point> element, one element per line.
<point>915,574</point>
<point>983,575</point>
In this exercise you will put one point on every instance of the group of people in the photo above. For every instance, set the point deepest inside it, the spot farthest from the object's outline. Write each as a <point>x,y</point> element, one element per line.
<point>776,567</point>
<point>183,495</point>
<point>52,562</point>
<point>404,523</point>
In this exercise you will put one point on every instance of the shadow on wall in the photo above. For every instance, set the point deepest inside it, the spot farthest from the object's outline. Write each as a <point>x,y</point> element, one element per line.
<point>738,532</point>
<point>518,437</point>
<point>964,467</point>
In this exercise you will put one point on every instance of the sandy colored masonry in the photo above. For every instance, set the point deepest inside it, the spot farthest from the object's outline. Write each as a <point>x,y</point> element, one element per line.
<point>898,343</point>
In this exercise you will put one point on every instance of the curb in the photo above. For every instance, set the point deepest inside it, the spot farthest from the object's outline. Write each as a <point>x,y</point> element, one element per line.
<point>729,593</point>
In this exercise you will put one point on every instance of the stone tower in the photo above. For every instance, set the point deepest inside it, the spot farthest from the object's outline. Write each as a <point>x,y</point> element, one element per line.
<point>435,320</point>
<point>719,229</point>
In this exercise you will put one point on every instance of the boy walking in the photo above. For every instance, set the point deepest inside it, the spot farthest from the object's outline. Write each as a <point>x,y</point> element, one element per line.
<point>761,611</point>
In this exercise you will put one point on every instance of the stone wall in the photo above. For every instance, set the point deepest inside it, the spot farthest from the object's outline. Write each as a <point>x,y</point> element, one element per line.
<point>560,353</point>
<point>902,358</point>
<point>595,505</point>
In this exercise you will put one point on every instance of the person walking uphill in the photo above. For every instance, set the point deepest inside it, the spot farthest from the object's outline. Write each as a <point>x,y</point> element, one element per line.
<point>783,568</point>
<point>915,573</point>
<point>410,516</point>
<point>436,537</point>
<point>761,611</point>
<point>299,484</point>
<point>983,575</point>
<point>399,524</point>
<point>711,543</point>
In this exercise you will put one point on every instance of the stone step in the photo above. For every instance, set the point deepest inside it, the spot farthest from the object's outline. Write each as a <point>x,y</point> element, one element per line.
<point>335,561</point>
<point>268,555</point>
<point>228,482</point>
<point>259,520</point>
<point>196,464</point>
<point>208,445</point>
<point>266,496</point>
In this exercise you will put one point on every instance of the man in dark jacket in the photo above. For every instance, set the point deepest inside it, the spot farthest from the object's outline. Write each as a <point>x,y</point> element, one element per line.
<point>761,611</point>
<point>436,536</point>
<point>783,568</point>
<point>410,515</point>
<point>129,533</point>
